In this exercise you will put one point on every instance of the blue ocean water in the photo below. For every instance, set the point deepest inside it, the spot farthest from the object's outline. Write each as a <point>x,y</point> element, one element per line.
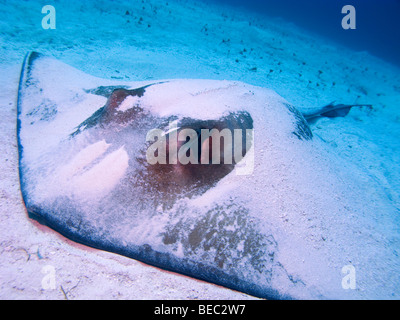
<point>377,22</point>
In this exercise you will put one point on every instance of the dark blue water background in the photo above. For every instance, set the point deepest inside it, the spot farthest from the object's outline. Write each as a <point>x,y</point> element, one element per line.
<point>377,21</point>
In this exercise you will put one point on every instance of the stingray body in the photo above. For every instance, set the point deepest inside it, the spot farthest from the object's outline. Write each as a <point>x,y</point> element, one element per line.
<point>272,223</point>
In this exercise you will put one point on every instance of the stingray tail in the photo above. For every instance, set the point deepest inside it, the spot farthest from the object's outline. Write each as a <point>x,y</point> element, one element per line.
<point>332,111</point>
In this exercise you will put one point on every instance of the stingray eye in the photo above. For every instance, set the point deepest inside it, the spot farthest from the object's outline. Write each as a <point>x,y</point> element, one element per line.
<point>116,98</point>
<point>122,99</point>
<point>122,106</point>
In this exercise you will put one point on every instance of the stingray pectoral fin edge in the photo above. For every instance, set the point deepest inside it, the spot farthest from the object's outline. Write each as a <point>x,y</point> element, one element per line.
<point>146,254</point>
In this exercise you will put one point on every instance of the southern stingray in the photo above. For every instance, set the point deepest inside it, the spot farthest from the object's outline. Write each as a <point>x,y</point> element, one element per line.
<point>271,211</point>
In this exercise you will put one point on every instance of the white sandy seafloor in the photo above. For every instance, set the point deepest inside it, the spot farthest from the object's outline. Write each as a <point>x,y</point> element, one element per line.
<point>140,40</point>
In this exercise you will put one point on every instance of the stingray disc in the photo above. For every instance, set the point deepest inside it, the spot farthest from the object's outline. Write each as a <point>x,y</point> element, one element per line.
<point>135,168</point>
